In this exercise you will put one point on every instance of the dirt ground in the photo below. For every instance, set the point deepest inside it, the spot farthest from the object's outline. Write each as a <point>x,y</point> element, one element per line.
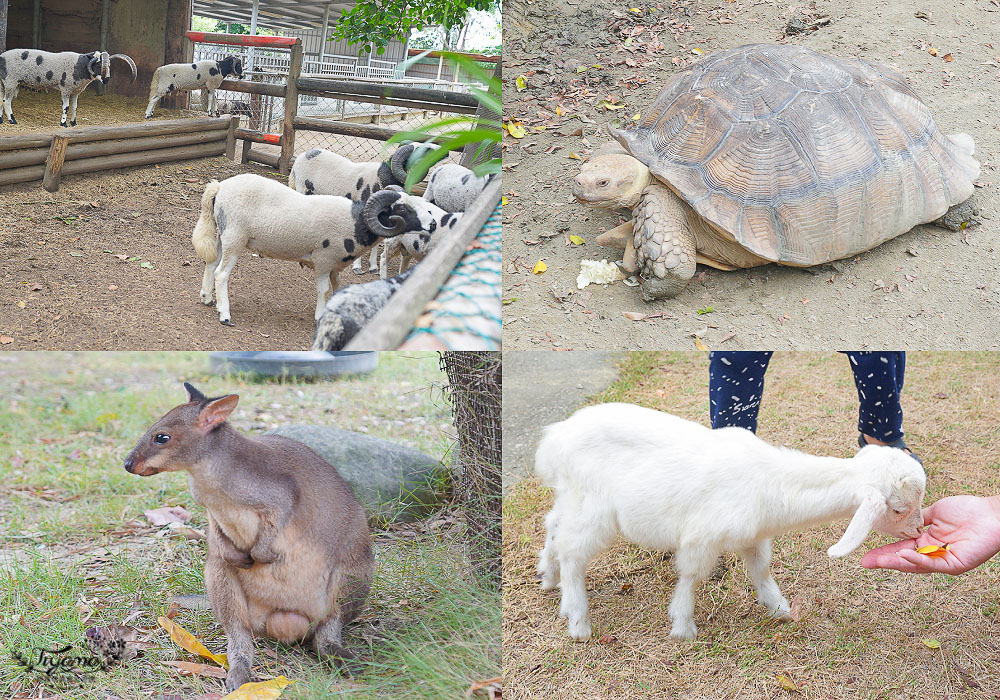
<point>861,633</point>
<point>929,288</point>
<point>106,262</point>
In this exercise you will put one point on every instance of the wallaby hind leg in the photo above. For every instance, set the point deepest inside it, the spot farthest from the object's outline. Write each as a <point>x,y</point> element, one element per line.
<point>229,607</point>
<point>329,645</point>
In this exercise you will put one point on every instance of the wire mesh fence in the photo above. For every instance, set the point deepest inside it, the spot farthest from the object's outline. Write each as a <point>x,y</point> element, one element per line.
<point>474,380</point>
<point>266,113</point>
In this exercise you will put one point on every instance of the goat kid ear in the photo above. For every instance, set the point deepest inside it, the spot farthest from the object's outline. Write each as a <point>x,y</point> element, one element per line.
<point>215,412</point>
<point>871,509</point>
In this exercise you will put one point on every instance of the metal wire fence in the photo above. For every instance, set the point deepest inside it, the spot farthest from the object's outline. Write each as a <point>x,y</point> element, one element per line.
<point>265,113</point>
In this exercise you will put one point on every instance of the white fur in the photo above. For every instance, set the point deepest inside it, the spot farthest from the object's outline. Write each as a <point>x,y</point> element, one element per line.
<point>669,484</point>
<point>264,216</point>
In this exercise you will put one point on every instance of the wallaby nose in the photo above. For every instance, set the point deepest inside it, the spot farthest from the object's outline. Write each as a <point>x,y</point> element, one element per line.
<point>129,464</point>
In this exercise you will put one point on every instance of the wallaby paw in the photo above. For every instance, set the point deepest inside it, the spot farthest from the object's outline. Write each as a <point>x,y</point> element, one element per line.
<point>263,555</point>
<point>236,677</point>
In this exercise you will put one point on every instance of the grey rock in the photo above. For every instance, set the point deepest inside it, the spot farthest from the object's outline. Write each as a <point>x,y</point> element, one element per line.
<point>394,482</point>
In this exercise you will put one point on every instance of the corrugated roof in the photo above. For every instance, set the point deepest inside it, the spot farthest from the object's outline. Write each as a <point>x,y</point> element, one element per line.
<point>273,14</point>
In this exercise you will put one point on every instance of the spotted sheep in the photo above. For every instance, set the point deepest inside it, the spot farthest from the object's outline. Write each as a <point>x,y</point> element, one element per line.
<point>415,246</point>
<point>320,171</point>
<point>323,232</point>
<point>66,71</point>
<point>454,187</point>
<point>350,309</point>
<point>192,76</point>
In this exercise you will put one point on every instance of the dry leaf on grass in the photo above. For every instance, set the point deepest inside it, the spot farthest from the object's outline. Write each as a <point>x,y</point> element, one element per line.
<point>196,669</point>
<point>931,643</point>
<point>490,688</point>
<point>788,684</point>
<point>264,690</point>
<point>167,514</point>
<point>796,612</point>
<point>186,640</point>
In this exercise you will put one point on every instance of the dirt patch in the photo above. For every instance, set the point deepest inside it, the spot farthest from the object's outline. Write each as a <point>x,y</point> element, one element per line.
<point>861,631</point>
<point>575,57</point>
<point>106,263</point>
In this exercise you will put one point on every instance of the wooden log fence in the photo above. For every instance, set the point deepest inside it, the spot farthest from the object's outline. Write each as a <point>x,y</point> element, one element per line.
<point>47,157</point>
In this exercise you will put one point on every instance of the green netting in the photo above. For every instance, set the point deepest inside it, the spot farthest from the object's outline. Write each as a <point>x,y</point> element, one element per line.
<point>465,314</point>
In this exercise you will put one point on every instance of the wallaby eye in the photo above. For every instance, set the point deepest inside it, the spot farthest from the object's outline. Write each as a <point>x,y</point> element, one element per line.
<point>899,511</point>
<point>161,439</point>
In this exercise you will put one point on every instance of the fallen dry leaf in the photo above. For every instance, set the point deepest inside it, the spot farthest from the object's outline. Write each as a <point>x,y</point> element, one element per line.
<point>931,643</point>
<point>186,640</point>
<point>796,612</point>
<point>196,669</point>
<point>164,515</point>
<point>634,315</point>
<point>539,268</point>
<point>490,688</point>
<point>787,683</point>
<point>264,690</point>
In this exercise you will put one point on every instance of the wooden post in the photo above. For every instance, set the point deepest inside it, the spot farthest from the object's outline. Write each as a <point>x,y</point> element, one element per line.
<point>105,21</point>
<point>234,122</point>
<point>291,108</point>
<point>245,152</point>
<point>36,25</point>
<point>3,25</point>
<point>53,168</point>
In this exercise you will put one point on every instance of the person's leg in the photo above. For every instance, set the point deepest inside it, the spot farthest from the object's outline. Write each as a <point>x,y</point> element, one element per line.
<point>878,377</point>
<point>735,387</point>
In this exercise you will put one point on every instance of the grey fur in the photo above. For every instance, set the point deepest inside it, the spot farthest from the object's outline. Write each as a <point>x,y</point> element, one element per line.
<point>351,308</point>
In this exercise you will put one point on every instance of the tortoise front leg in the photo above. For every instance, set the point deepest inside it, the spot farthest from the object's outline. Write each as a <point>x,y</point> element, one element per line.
<point>666,251</point>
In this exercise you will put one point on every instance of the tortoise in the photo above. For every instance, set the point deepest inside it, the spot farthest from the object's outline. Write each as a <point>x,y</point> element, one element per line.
<point>767,153</point>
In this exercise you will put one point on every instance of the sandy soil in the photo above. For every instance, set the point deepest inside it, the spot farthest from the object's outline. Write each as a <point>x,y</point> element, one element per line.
<point>73,262</point>
<point>947,295</point>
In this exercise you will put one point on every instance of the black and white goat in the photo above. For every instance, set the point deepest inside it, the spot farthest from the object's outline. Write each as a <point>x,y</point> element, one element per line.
<point>66,71</point>
<point>324,232</point>
<point>207,75</point>
<point>454,187</point>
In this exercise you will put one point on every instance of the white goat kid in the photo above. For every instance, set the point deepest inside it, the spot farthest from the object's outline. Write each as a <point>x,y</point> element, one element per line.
<point>68,72</point>
<point>669,484</point>
<point>326,233</point>
<point>207,74</point>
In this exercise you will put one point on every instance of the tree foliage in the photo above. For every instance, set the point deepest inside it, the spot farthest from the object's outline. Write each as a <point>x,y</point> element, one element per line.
<point>380,21</point>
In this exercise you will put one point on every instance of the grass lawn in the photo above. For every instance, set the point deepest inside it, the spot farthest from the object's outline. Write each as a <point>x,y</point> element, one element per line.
<point>77,552</point>
<point>860,633</point>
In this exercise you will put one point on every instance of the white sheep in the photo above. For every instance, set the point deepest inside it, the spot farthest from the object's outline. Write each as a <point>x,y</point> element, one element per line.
<point>669,484</point>
<point>350,309</point>
<point>454,187</point>
<point>67,71</point>
<point>324,232</point>
<point>207,74</point>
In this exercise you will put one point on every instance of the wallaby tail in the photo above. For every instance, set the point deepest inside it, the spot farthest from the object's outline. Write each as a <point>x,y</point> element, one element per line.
<point>206,234</point>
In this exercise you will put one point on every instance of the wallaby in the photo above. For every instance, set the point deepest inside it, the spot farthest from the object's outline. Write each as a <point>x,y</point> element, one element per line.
<point>289,549</point>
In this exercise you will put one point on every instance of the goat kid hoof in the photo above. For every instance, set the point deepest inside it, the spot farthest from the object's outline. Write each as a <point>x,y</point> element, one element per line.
<point>73,123</point>
<point>688,632</point>
<point>580,631</point>
<point>13,121</point>
<point>226,322</point>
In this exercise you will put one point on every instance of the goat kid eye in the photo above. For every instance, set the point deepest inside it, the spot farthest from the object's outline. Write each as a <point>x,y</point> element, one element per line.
<point>161,439</point>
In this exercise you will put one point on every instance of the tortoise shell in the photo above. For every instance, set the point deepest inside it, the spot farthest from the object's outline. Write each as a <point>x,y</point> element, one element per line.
<point>799,157</point>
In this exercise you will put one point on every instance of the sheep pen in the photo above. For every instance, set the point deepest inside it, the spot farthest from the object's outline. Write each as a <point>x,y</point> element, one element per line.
<point>106,262</point>
<point>855,632</point>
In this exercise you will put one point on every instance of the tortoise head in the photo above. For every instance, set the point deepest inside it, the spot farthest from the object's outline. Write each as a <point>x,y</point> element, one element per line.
<point>610,180</point>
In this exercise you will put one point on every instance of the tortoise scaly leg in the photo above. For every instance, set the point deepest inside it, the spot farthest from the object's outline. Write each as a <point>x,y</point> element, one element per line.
<point>665,247</point>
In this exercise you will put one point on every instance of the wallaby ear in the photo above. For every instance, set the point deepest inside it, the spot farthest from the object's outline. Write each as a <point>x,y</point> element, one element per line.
<point>193,394</point>
<point>216,411</point>
<point>871,509</point>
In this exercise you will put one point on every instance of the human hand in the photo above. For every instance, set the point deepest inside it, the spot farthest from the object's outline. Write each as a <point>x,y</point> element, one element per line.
<point>969,525</point>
